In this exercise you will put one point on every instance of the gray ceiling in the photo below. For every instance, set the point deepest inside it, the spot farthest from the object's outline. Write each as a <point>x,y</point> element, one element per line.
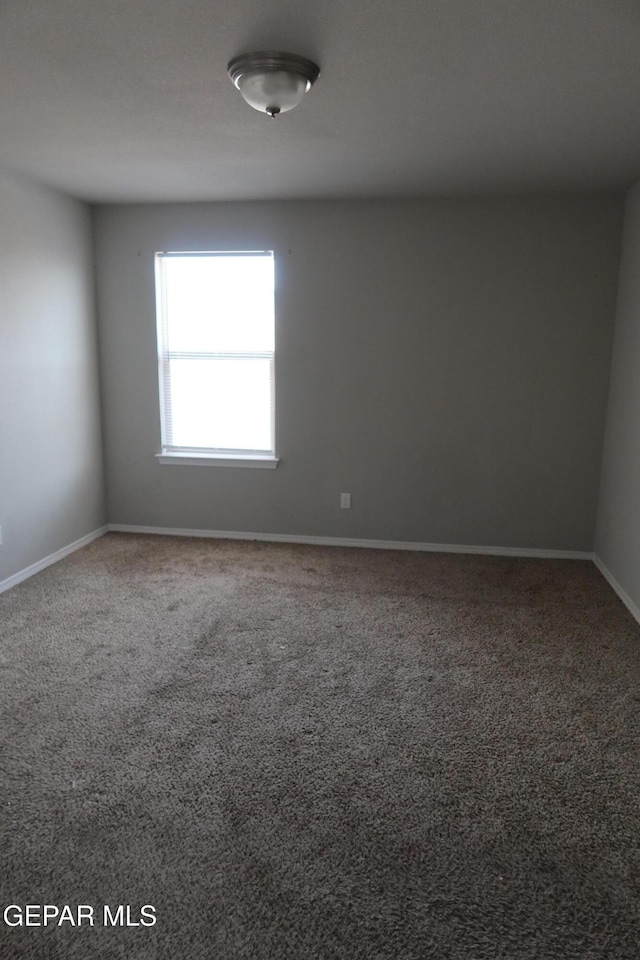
<point>129,99</point>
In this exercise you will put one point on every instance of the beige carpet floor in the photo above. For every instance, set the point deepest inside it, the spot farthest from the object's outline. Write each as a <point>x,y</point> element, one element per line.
<point>295,752</point>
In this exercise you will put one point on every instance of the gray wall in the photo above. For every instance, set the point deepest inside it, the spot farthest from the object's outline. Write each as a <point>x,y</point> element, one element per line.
<point>618,533</point>
<point>446,362</point>
<point>51,476</point>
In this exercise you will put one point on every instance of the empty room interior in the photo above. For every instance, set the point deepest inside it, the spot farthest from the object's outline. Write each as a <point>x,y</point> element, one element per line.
<point>320,480</point>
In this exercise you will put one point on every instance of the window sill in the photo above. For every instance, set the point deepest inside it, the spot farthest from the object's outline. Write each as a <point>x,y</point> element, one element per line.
<point>217,460</point>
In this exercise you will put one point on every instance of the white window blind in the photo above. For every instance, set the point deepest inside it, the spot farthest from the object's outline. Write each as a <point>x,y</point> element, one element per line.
<point>216,352</point>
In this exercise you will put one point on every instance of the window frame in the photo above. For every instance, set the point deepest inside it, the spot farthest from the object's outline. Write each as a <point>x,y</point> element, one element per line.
<point>204,456</point>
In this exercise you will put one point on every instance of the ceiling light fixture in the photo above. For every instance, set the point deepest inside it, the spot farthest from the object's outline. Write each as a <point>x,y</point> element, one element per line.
<point>272,82</point>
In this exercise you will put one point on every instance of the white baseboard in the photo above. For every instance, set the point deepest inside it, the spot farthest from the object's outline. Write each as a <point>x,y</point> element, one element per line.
<point>52,558</point>
<point>326,541</point>
<point>350,542</point>
<point>613,583</point>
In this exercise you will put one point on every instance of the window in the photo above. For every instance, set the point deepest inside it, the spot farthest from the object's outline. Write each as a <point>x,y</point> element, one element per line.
<point>216,356</point>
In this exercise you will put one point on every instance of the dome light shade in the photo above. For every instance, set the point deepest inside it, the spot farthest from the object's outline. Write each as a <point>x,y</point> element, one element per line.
<point>272,82</point>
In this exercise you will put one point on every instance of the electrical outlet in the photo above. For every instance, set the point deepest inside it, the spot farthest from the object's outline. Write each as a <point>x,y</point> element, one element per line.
<point>345,501</point>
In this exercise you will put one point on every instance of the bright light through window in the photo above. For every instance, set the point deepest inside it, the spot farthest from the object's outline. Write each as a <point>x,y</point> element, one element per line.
<point>215,348</point>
